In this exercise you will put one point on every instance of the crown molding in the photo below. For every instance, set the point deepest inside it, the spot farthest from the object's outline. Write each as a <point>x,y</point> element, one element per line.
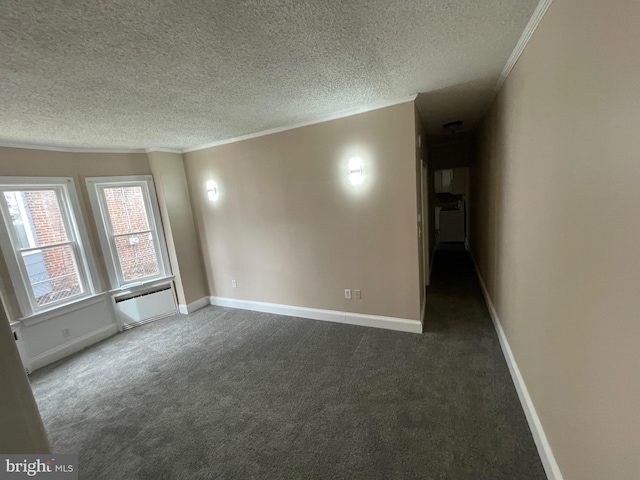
<point>165,150</point>
<point>68,149</point>
<point>335,116</point>
<point>534,21</point>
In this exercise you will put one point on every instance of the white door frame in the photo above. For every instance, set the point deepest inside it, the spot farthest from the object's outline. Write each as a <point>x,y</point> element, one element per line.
<point>424,215</point>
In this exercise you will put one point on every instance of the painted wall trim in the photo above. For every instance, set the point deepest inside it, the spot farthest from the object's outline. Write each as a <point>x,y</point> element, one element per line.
<point>361,319</point>
<point>74,346</point>
<point>542,443</point>
<point>161,149</point>
<point>193,306</point>
<point>68,148</point>
<point>81,304</point>
<point>334,116</point>
<point>423,308</point>
<point>534,21</point>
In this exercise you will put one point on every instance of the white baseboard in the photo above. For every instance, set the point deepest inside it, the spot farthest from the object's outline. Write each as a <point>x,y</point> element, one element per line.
<point>73,346</point>
<point>542,443</point>
<point>193,306</point>
<point>364,320</point>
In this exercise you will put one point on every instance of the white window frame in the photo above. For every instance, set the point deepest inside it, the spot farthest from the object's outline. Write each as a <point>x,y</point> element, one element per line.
<point>76,230</point>
<point>28,228</point>
<point>95,185</point>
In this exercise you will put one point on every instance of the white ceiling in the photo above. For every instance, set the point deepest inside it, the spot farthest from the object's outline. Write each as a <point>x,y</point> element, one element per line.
<point>181,74</point>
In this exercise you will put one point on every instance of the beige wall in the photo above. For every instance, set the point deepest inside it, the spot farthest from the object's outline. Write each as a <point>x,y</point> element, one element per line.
<point>290,228</point>
<point>460,182</point>
<point>21,428</point>
<point>557,229</point>
<point>179,229</point>
<point>41,163</point>
<point>451,152</point>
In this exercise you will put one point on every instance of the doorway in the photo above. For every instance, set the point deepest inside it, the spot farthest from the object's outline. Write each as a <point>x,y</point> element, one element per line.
<point>451,187</point>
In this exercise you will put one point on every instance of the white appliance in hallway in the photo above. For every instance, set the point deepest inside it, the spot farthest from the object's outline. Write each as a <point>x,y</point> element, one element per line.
<point>452,192</point>
<point>451,225</point>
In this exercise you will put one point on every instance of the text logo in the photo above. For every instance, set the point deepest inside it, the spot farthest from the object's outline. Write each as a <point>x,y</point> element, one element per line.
<point>52,467</point>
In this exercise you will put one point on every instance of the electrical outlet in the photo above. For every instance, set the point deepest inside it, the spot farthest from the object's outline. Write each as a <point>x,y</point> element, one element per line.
<point>347,293</point>
<point>357,294</point>
<point>234,284</point>
<point>66,332</point>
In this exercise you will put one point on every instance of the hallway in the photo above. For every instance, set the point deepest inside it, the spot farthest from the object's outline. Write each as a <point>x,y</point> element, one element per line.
<point>455,301</point>
<point>481,394</point>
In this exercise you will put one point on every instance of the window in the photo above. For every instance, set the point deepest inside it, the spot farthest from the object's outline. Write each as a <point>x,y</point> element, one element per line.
<point>44,242</point>
<point>130,236</point>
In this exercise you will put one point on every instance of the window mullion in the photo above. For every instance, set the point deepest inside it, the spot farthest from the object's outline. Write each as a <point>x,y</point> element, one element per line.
<point>77,261</point>
<point>43,247</point>
<point>140,232</point>
<point>108,230</point>
<point>69,226</point>
<point>106,216</point>
<point>154,224</point>
<point>115,258</point>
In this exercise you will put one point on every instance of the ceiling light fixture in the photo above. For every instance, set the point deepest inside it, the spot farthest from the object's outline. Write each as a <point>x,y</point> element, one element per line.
<point>453,127</point>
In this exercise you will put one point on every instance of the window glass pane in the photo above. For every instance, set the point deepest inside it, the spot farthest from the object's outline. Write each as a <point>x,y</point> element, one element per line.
<point>36,217</point>
<point>53,274</point>
<point>126,208</point>
<point>137,256</point>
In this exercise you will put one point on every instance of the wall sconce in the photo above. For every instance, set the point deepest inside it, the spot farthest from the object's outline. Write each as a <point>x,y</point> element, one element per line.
<point>356,173</point>
<point>212,190</point>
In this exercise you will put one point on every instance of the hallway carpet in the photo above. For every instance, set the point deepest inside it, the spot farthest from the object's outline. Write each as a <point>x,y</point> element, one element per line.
<point>232,394</point>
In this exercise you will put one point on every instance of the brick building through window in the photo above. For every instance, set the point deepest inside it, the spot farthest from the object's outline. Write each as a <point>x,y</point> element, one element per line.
<point>42,235</point>
<point>130,231</point>
<point>132,235</point>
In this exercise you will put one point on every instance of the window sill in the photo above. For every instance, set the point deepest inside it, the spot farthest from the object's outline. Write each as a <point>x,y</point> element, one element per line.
<point>44,315</point>
<point>138,287</point>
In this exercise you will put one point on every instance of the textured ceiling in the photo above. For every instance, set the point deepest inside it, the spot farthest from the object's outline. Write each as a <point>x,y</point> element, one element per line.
<point>180,74</point>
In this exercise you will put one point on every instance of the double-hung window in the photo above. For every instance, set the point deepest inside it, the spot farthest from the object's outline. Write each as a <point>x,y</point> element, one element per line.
<point>44,242</point>
<point>130,233</point>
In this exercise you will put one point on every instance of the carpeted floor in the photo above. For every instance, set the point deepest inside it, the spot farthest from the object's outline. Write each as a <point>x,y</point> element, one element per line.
<point>232,394</point>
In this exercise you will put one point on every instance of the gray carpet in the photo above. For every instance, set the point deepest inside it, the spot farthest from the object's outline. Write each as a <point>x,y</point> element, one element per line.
<point>232,394</point>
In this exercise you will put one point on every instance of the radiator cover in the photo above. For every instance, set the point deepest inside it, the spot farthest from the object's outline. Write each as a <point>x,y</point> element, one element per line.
<point>139,308</point>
